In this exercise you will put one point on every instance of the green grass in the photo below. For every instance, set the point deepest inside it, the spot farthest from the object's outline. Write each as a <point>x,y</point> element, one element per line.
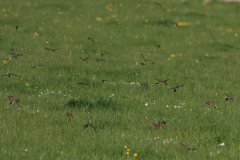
<point>37,127</point>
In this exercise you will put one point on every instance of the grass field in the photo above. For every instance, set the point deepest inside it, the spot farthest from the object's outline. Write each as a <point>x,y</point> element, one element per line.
<point>120,109</point>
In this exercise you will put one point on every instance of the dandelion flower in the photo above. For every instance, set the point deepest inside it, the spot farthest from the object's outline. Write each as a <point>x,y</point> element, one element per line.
<point>236,34</point>
<point>206,54</point>
<point>127,153</point>
<point>125,146</point>
<point>3,10</point>
<point>169,59</point>
<point>27,84</point>
<point>172,55</point>
<point>135,154</point>
<point>40,28</point>
<point>128,150</point>
<point>36,34</point>
<point>136,36</point>
<point>99,19</point>
<point>146,20</point>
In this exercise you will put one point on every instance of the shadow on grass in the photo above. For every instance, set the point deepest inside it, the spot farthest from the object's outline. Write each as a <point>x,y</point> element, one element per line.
<point>102,103</point>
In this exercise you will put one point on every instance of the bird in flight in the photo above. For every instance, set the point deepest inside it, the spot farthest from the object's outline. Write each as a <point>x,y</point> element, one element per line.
<point>162,82</point>
<point>98,59</point>
<point>70,116</point>
<point>160,125</point>
<point>37,66</point>
<point>13,100</point>
<point>83,83</point>
<point>209,103</point>
<point>89,38</point>
<point>175,88</point>
<point>158,4</point>
<point>10,75</point>
<point>188,149</point>
<point>51,49</point>
<point>214,38</point>
<point>228,97</point>
<point>88,125</point>
<point>85,60</point>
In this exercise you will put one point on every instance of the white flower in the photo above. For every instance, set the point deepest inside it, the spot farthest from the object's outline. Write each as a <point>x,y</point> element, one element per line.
<point>171,139</point>
<point>146,104</point>
<point>216,93</point>
<point>59,92</point>
<point>60,75</point>
<point>218,152</point>
<point>196,61</point>
<point>112,94</point>
<point>175,106</point>
<point>222,144</point>
<point>210,153</point>
<point>33,112</point>
<point>132,83</point>
<point>26,149</point>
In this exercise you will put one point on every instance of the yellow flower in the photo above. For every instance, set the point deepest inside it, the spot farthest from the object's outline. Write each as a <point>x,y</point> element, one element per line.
<point>172,55</point>
<point>99,19</point>
<point>135,154</point>
<point>3,10</point>
<point>108,17</point>
<point>110,9</point>
<point>169,59</point>
<point>206,54</point>
<point>128,150</point>
<point>59,9</point>
<point>125,146</point>
<point>146,20</point>
<point>46,41</point>
<point>27,84</point>
<point>76,98</point>
<point>149,54</point>
<point>114,16</point>
<point>189,42</point>
<point>174,25</point>
<point>180,54</point>
<point>10,59</point>
<point>127,153</point>
<point>169,10</point>
<point>36,34</point>
<point>236,34</point>
<point>69,95</point>
<point>60,13</point>
<point>5,61</point>
<point>136,36</point>
<point>40,28</point>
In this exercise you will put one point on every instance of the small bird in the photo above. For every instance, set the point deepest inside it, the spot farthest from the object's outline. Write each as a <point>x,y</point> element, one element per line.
<point>145,59</point>
<point>175,88</point>
<point>162,82</point>
<point>135,73</point>
<point>228,97</point>
<point>143,64</point>
<point>10,74</point>
<point>69,116</point>
<point>88,125</point>
<point>160,125</point>
<point>98,59</point>
<point>209,103</point>
<point>37,66</point>
<point>145,84</point>
<point>89,38</point>
<point>83,83</point>
<point>159,45</point>
<point>158,4</point>
<point>51,49</point>
<point>85,60</point>
<point>188,149</point>
<point>104,80</point>
<point>13,99</point>
<point>214,38</point>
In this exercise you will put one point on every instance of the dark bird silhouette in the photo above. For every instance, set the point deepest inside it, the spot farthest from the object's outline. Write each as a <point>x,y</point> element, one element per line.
<point>85,60</point>
<point>162,82</point>
<point>228,97</point>
<point>51,49</point>
<point>145,84</point>
<point>98,59</point>
<point>188,149</point>
<point>89,38</point>
<point>158,4</point>
<point>160,125</point>
<point>70,116</point>
<point>37,66</point>
<point>209,103</point>
<point>88,125</point>
<point>214,38</point>
<point>143,64</point>
<point>13,99</point>
<point>104,80</point>
<point>10,75</point>
<point>145,59</point>
<point>175,88</point>
<point>159,46</point>
<point>83,83</point>
<point>135,73</point>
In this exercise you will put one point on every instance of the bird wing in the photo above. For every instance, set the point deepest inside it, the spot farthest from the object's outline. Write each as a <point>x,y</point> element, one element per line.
<point>86,126</point>
<point>205,105</point>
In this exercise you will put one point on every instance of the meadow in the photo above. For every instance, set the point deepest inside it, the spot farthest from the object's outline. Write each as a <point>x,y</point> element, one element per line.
<point>120,109</point>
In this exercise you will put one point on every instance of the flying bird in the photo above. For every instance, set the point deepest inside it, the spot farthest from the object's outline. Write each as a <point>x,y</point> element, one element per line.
<point>214,38</point>
<point>209,103</point>
<point>83,83</point>
<point>160,125</point>
<point>162,82</point>
<point>175,88</point>
<point>85,60</point>
<point>37,66</point>
<point>98,59</point>
<point>13,99</point>
<point>228,97</point>
<point>10,75</point>
<point>88,125</point>
<point>70,116</point>
<point>158,4</point>
<point>51,49</point>
<point>89,38</point>
<point>188,149</point>
<point>143,64</point>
